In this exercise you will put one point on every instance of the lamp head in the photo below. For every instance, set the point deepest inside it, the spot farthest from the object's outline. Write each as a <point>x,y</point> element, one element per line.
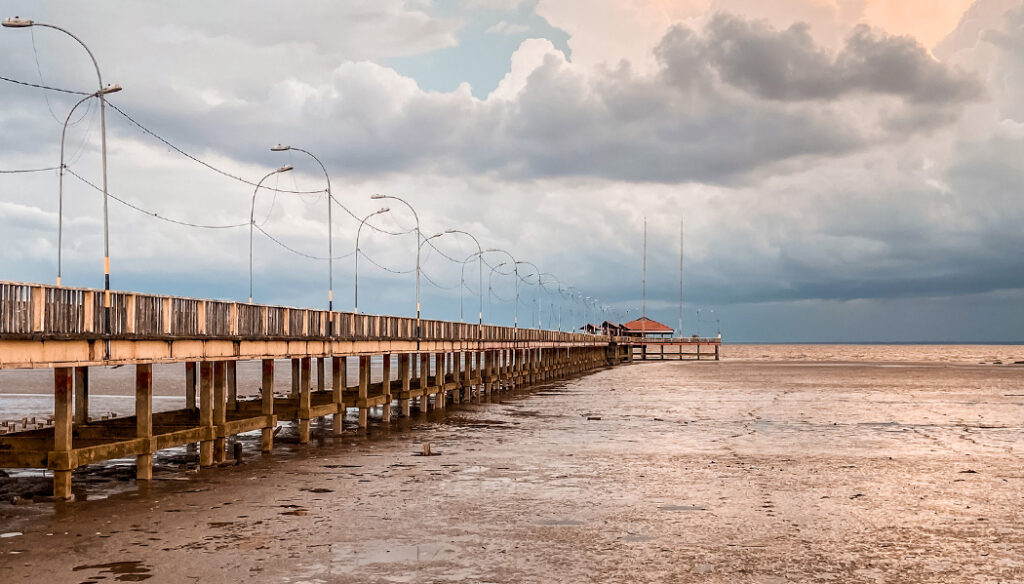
<point>280,148</point>
<point>377,196</point>
<point>17,22</point>
<point>382,210</point>
<point>451,230</point>
<point>285,168</point>
<point>109,89</point>
<point>492,250</point>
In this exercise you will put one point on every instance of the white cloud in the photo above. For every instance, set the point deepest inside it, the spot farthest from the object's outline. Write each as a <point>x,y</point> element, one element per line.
<point>510,28</point>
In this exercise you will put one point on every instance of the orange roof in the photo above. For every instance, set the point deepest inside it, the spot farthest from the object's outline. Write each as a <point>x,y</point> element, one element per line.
<point>647,325</point>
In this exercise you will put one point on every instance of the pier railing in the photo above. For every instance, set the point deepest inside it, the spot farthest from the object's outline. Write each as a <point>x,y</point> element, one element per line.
<point>44,311</point>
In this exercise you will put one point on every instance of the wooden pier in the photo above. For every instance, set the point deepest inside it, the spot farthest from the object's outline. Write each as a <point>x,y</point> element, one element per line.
<point>435,363</point>
<point>677,348</point>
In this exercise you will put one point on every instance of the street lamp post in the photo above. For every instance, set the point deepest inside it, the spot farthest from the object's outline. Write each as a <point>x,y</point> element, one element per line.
<point>60,185</point>
<point>252,217</point>
<point>330,232</point>
<point>356,254</point>
<point>515,269</point>
<point>18,22</point>
<point>480,280</point>
<point>418,236</point>
<point>536,271</point>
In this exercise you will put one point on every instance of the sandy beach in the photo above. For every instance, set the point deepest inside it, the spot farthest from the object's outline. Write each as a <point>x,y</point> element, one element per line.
<point>737,471</point>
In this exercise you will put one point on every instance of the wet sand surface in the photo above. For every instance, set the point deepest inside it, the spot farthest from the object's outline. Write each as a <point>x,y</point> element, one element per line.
<point>655,472</point>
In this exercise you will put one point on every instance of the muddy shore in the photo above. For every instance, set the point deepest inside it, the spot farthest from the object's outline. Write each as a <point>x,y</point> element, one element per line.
<point>657,472</point>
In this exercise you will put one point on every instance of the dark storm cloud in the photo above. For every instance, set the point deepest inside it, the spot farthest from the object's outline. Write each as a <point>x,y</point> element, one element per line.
<point>787,64</point>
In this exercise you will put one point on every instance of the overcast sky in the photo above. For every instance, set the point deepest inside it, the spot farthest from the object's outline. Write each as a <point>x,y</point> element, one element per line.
<point>847,170</point>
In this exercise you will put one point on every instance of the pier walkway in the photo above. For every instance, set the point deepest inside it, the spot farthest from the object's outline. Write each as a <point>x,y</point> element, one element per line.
<point>425,364</point>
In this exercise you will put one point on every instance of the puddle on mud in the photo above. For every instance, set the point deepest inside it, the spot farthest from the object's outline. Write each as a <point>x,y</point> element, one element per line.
<point>384,552</point>
<point>127,571</point>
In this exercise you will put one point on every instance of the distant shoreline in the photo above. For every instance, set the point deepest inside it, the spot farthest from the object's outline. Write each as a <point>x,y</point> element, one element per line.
<point>882,343</point>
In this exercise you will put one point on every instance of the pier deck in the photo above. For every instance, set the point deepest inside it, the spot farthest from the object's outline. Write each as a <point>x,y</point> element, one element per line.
<point>426,364</point>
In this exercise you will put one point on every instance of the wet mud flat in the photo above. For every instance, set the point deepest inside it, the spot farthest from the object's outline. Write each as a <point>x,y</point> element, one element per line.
<point>656,472</point>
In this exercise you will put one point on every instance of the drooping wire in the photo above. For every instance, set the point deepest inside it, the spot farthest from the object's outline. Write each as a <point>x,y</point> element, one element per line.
<point>297,252</point>
<point>38,86</point>
<point>147,212</point>
<point>165,142</point>
<point>385,268</point>
<point>26,170</point>
<point>39,70</point>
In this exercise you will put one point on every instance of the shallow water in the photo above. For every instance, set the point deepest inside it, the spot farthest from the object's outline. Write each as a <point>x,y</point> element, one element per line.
<point>735,471</point>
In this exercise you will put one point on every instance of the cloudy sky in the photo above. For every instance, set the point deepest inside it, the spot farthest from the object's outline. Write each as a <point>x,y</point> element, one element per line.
<point>847,170</point>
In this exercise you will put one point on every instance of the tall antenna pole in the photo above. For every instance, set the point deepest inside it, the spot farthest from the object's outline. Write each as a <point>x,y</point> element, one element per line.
<point>643,314</point>
<point>680,330</point>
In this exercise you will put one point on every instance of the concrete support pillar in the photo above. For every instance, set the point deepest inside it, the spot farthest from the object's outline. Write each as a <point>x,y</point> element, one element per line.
<point>206,411</point>
<point>220,452</point>
<point>295,379</point>
<point>364,390</point>
<point>441,399</point>
<point>232,381</point>
<point>321,377</point>
<point>62,420</point>
<point>339,382</point>
<point>81,395</point>
<point>405,376</point>
<point>386,386</point>
<point>467,376</point>
<point>191,379</point>
<point>267,406</point>
<point>487,372</point>
<point>506,369</point>
<point>144,420</point>
<point>305,370</point>
<point>424,381</point>
<point>457,377</point>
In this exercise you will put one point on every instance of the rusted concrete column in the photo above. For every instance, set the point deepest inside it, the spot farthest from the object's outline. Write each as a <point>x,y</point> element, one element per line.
<point>386,385</point>
<point>321,377</point>
<point>364,390</point>
<point>506,369</point>
<point>144,420</point>
<point>405,376</point>
<point>191,379</point>
<point>467,373</point>
<point>424,381</point>
<point>488,371</point>
<point>457,377</point>
<point>81,395</point>
<point>220,453</point>
<point>295,379</point>
<point>478,374</point>
<point>441,399</point>
<point>267,405</point>
<point>62,419</point>
<point>339,380</point>
<point>206,411</point>
<point>305,368</point>
<point>232,381</point>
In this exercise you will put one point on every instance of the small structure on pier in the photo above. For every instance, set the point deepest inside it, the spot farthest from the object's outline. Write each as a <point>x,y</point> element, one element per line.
<point>646,328</point>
